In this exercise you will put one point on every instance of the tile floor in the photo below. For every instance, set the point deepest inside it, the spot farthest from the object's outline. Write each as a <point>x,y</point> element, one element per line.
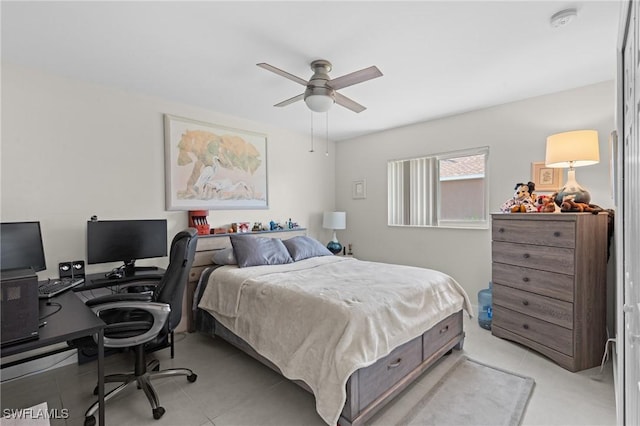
<point>233,389</point>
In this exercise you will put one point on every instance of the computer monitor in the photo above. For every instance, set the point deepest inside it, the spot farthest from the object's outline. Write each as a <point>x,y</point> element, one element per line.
<point>21,246</point>
<point>126,241</point>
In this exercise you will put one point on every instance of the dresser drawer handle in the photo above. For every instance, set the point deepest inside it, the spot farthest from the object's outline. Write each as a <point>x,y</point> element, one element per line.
<point>394,364</point>
<point>525,302</point>
<point>526,255</point>
<point>444,330</point>
<point>501,230</point>
<point>525,279</point>
<point>525,326</point>
<point>556,234</point>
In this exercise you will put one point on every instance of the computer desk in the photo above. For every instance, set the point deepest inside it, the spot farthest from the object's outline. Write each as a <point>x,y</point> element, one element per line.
<point>99,280</point>
<point>72,321</point>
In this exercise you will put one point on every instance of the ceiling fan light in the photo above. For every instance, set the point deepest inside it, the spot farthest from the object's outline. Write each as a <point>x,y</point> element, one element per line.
<point>319,103</point>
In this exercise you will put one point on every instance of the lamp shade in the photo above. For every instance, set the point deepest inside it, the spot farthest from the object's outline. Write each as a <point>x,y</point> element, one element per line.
<point>319,103</point>
<point>334,220</point>
<point>573,149</point>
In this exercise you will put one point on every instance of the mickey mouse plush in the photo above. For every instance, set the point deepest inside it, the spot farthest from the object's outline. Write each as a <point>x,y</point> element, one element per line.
<point>522,201</point>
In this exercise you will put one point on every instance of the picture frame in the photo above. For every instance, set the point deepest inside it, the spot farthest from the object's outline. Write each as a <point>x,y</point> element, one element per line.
<point>213,167</point>
<point>548,179</point>
<point>359,189</point>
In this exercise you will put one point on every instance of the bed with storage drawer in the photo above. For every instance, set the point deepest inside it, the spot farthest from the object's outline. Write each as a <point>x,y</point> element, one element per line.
<point>353,333</point>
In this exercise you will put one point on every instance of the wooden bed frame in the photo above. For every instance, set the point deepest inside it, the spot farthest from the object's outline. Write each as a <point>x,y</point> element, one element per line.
<point>369,388</point>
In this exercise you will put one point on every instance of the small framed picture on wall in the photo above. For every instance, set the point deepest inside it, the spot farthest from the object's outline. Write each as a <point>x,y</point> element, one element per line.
<point>546,178</point>
<point>359,189</point>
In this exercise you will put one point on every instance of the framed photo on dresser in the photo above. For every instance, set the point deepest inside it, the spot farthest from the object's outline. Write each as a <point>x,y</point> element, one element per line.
<point>546,178</point>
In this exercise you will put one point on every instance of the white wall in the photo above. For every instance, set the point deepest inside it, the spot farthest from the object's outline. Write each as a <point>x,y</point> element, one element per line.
<point>71,150</point>
<point>516,135</point>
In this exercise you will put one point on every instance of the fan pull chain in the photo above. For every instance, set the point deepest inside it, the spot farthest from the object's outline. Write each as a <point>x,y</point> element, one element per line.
<point>326,135</point>
<point>311,150</point>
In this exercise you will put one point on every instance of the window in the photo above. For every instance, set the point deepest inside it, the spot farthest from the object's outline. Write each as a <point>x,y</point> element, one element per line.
<point>445,190</point>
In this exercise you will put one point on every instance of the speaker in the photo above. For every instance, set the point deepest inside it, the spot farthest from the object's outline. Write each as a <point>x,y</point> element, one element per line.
<point>64,269</point>
<point>19,306</point>
<point>78,268</point>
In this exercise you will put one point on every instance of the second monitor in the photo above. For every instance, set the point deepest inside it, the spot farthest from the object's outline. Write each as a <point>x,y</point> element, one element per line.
<point>126,241</point>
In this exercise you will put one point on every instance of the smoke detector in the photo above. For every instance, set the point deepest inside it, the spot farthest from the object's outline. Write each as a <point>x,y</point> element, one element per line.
<point>563,18</point>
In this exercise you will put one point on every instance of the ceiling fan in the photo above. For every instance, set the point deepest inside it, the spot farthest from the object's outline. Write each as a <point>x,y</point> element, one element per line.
<point>321,89</point>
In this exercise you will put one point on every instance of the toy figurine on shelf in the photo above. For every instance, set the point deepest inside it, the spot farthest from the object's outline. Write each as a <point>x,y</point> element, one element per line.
<point>273,226</point>
<point>350,253</point>
<point>257,226</point>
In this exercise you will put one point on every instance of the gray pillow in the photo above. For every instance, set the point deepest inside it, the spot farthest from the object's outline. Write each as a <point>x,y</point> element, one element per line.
<point>304,247</point>
<point>224,257</point>
<point>255,251</point>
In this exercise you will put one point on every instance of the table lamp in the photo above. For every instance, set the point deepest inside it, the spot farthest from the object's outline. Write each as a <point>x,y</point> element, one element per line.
<point>334,220</point>
<point>572,149</point>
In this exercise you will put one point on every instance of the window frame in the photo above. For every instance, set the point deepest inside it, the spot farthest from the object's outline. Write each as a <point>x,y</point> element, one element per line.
<point>435,214</point>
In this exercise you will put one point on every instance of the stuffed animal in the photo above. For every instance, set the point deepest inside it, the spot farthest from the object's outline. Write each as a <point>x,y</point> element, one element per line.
<point>522,201</point>
<point>546,204</point>
<point>568,205</point>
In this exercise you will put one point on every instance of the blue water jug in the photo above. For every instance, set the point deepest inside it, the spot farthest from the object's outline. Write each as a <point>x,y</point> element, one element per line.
<point>484,307</point>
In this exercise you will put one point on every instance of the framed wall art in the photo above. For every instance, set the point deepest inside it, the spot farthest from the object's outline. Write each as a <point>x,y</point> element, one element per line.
<point>212,167</point>
<point>546,178</point>
<point>359,189</point>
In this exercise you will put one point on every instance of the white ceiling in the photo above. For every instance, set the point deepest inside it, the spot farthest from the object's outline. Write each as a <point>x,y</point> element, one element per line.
<point>438,58</point>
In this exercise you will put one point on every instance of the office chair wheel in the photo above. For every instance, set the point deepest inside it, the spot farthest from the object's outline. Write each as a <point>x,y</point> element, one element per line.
<point>157,413</point>
<point>192,378</point>
<point>90,421</point>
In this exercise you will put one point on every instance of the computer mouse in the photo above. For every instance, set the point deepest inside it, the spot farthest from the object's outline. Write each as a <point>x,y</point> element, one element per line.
<point>113,274</point>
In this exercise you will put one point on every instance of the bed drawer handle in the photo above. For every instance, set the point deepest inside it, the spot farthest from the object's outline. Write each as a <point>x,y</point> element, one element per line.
<point>444,330</point>
<point>557,234</point>
<point>525,326</point>
<point>525,302</point>
<point>525,279</point>
<point>501,230</point>
<point>394,364</point>
<point>526,255</point>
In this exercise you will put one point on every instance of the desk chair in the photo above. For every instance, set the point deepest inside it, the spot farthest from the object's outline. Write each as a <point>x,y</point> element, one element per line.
<point>134,320</point>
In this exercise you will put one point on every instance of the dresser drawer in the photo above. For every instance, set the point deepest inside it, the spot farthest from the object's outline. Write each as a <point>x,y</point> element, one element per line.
<point>376,378</point>
<point>551,310</point>
<point>551,284</point>
<point>551,233</point>
<point>553,259</point>
<point>547,334</point>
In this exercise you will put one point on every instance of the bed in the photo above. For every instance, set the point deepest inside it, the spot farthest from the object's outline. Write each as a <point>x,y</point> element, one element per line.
<point>332,324</point>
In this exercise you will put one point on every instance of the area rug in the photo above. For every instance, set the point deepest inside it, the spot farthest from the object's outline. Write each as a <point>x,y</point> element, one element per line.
<point>473,393</point>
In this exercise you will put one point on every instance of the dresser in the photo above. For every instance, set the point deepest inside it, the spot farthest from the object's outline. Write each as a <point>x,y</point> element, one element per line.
<point>549,276</point>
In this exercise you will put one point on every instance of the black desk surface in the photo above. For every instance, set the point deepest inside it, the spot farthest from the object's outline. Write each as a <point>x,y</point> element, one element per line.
<point>92,281</point>
<point>72,321</point>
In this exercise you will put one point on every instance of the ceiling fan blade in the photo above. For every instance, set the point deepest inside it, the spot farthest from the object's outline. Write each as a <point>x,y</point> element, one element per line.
<point>290,100</point>
<point>282,73</point>
<point>349,103</point>
<point>355,77</point>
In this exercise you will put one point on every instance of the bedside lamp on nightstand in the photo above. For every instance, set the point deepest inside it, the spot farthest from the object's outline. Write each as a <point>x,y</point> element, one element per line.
<point>334,220</point>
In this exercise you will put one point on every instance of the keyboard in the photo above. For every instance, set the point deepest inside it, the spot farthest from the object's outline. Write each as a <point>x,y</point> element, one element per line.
<point>52,287</point>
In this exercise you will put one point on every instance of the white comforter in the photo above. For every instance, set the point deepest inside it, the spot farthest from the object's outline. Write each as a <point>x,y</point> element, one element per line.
<point>320,319</point>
